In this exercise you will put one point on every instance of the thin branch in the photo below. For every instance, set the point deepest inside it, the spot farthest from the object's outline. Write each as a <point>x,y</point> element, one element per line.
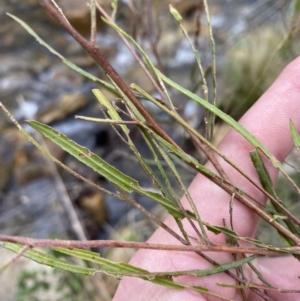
<point>231,210</point>
<point>150,30</point>
<point>64,197</point>
<point>138,59</point>
<point>53,243</point>
<point>263,287</point>
<point>209,154</point>
<point>93,22</point>
<point>14,258</point>
<point>152,217</point>
<point>214,68</point>
<point>107,120</point>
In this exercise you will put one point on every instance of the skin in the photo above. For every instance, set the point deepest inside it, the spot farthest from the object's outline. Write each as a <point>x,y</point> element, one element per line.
<point>268,120</point>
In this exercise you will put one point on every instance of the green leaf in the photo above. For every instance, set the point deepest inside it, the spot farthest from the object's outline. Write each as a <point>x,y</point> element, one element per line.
<point>71,65</point>
<point>163,278</point>
<point>118,269</point>
<point>295,136</point>
<point>262,172</point>
<point>44,259</point>
<point>186,193</point>
<point>216,270</point>
<point>175,13</point>
<point>297,6</point>
<point>267,184</point>
<point>110,109</point>
<point>107,266</point>
<point>87,157</point>
<point>99,165</point>
<point>218,230</point>
<point>187,158</point>
<point>166,187</point>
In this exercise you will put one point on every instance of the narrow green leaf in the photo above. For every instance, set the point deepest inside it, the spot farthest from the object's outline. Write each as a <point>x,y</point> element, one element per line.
<point>267,184</point>
<point>228,119</point>
<point>103,83</point>
<point>115,269</point>
<point>186,193</point>
<point>295,136</point>
<point>262,172</point>
<point>123,269</point>
<point>166,189</point>
<point>114,115</point>
<point>106,265</point>
<point>44,259</point>
<point>209,117</point>
<point>186,158</point>
<point>118,269</point>
<point>217,269</point>
<point>99,165</point>
<point>87,157</point>
<point>218,230</point>
<point>297,6</point>
<point>114,6</point>
<point>175,13</point>
<point>207,272</point>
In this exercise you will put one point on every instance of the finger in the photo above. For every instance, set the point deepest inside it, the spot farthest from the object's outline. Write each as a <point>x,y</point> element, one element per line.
<point>268,120</point>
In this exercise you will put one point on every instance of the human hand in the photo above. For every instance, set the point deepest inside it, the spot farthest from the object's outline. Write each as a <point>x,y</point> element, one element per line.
<point>268,120</point>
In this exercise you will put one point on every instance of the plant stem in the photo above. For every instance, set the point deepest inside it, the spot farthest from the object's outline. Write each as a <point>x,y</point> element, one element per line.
<point>53,243</point>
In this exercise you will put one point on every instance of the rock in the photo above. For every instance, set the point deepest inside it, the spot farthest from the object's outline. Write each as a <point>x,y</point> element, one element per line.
<point>31,171</point>
<point>55,150</point>
<point>9,139</point>
<point>94,204</point>
<point>187,7</point>
<point>78,14</point>
<point>31,210</point>
<point>61,77</point>
<point>20,159</point>
<point>15,81</point>
<point>62,107</point>
<point>5,170</point>
<point>29,165</point>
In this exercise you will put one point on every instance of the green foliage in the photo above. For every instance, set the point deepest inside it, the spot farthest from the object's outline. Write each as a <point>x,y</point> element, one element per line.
<point>29,283</point>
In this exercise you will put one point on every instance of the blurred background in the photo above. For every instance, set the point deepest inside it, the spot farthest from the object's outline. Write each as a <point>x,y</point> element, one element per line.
<point>254,41</point>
